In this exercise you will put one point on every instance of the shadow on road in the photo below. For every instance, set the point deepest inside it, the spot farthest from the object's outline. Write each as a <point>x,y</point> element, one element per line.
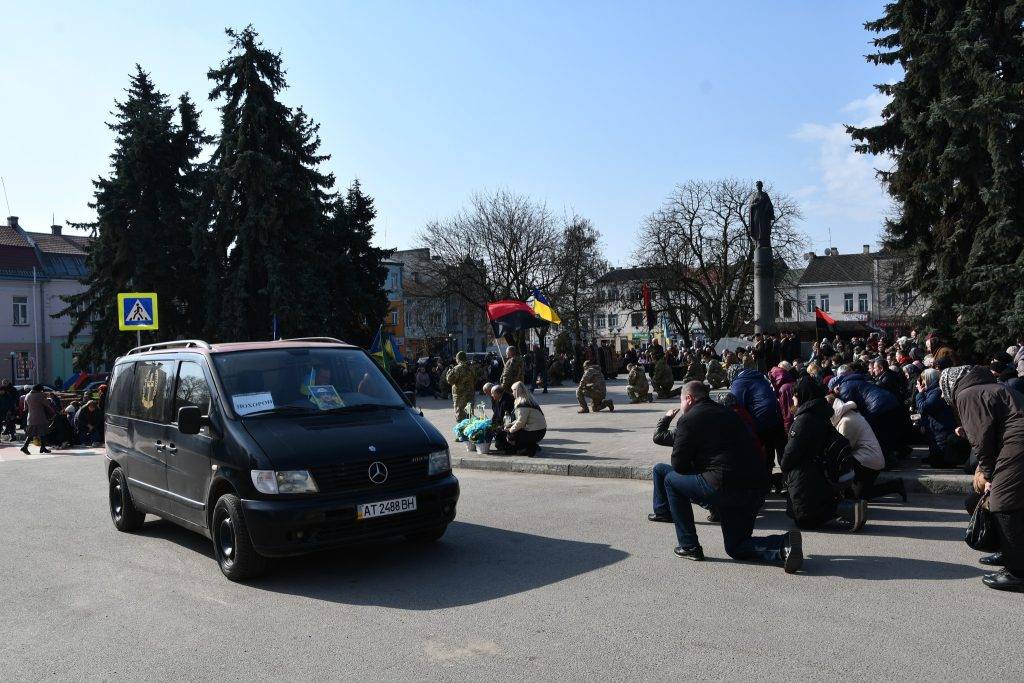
<point>876,568</point>
<point>590,430</point>
<point>168,531</point>
<point>472,564</point>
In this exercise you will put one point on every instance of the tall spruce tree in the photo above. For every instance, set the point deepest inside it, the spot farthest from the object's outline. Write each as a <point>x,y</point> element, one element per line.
<point>353,269</point>
<point>268,203</point>
<point>953,129</point>
<point>144,213</point>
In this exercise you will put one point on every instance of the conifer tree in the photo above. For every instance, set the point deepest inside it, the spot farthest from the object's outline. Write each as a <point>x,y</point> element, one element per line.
<point>144,214</point>
<point>268,203</point>
<point>954,131</point>
<point>354,269</point>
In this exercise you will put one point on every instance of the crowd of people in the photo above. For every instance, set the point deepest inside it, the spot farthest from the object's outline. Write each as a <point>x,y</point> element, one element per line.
<point>829,417</point>
<point>46,419</point>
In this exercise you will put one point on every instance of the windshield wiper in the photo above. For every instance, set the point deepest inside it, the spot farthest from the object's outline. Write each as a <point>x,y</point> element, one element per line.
<point>302,410</point>
<point>362,408</point>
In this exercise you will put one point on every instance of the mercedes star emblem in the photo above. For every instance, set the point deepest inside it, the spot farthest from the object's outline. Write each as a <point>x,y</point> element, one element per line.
<point>372,449</point>
<point>378,473</point>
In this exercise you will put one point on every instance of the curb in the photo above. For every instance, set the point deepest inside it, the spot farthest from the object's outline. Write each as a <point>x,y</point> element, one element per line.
<point>917,482</point>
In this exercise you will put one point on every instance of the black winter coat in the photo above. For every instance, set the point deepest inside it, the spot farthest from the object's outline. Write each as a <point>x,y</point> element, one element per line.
<point>993,418</point>
<point>712,440</point>
<point>812,500</point>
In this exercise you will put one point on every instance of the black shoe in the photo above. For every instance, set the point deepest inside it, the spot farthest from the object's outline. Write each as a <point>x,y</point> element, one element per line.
<point>1004,581</point>
<point>713,517</point>
<point>792,552</point>
<point>655,517</point>
<point>692,553</point>
<point>902,489</point>
<point>993,560</point>
<point>44,449</point>
<point>24,449</point>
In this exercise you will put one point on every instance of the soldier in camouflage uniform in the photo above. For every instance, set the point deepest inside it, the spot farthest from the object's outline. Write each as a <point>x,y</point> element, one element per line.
<point>462,378</point>
<point>662,378</point>
<point>592,386</point>
<point>694,369</point>
<point>716,374</point>
<point>513,371</point>
<point>639,391</point>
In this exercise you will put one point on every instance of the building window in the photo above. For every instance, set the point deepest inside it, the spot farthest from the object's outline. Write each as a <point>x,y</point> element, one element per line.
<point>600,321</point>
<point>787,309</point>
<point>848,302</point>
<point>811,304</point>
<point>637,319</point>
<point>862,302</point>
<point>824,302</point>
<point>21,310</point>
<point>613,320</point>
<point>394,318</point>
<point>890,300</point>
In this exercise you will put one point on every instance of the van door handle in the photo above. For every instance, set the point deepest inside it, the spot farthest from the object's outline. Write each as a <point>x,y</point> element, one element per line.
<point>172,448</point>
<point>160,446</point>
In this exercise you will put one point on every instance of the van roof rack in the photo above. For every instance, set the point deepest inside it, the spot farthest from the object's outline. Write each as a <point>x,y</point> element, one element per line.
<point>327,340</point>
<point>180,344</point>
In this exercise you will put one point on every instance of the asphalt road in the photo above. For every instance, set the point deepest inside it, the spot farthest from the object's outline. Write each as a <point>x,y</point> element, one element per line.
<point>540,578</point>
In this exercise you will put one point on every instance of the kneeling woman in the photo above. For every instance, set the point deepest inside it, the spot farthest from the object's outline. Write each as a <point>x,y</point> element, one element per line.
<point>529,427</point>
<point>812,500</point>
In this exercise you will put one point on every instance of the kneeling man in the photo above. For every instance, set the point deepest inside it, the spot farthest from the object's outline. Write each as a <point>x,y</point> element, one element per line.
<point>716,465</point>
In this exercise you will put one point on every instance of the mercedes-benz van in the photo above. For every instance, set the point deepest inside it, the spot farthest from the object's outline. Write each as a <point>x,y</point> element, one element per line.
<point>272,449</point>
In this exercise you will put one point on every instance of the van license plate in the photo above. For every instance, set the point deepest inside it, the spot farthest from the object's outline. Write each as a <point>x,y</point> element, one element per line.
<point>385,507</point>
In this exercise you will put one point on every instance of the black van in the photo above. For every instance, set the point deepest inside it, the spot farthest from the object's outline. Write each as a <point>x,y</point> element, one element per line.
<point>272,449</point>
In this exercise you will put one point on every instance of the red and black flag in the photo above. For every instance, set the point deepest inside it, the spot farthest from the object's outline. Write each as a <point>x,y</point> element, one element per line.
<point>823,322</point>
<point>648,308</point>
<point>509,315</point>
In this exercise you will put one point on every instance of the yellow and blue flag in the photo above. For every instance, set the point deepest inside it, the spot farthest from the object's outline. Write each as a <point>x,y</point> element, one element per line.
<point>383,348</point>
<point>542,308</point>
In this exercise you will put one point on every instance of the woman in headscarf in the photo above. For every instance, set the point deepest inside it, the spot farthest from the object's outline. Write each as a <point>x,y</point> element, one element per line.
<point>993,419</point>
<point>525,433</point>
<point>945,448</point>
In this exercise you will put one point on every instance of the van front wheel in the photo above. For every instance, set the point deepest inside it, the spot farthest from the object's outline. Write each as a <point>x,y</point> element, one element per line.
<point>236,556</point>
<point>122,509</point>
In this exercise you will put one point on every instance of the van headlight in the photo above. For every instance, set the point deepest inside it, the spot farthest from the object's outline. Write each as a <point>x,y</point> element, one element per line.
<point>439,463</point>
<point>290,481</point>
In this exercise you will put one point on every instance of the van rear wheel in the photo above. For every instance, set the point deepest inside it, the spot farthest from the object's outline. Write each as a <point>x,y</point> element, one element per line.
<point>122,509</point>
<point>232,545</point>
<point>429,536</point>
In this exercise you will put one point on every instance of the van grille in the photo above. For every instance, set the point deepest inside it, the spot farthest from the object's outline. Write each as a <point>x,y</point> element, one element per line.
<point>353,476</point>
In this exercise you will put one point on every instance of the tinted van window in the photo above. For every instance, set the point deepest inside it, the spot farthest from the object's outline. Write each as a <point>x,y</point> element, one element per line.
<point>192,388</point>
<point>119,400</point>
<point>151,391</point>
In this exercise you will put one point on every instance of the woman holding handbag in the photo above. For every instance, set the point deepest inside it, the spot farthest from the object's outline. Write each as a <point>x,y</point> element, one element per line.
<point>993,421</point>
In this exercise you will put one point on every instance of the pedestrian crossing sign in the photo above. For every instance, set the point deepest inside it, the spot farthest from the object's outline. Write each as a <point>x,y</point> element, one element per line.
<point>137,311</point>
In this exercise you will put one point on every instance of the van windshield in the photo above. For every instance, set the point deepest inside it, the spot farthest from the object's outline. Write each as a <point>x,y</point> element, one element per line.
<point>303,380</point>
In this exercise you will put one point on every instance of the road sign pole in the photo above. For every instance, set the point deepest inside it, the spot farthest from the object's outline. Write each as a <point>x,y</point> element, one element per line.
<point>138,338</point>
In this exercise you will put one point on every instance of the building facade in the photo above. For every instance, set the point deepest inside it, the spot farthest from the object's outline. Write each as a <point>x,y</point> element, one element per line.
<point>435,321</point>
<point>863,292</point>
<point>36,270</point>
<point>394,322</point>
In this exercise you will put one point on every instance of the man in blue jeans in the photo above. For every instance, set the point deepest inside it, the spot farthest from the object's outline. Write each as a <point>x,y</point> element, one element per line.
<point>715,463</point>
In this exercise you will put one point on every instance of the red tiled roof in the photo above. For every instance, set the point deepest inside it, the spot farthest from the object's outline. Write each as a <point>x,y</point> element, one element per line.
<point>58,244</point>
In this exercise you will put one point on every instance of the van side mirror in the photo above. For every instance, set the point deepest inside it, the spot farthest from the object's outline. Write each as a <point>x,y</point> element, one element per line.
<point>410,397</point>
<point>190,419</point>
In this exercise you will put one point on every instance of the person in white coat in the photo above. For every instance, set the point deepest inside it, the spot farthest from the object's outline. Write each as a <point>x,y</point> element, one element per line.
<point>867,453</point>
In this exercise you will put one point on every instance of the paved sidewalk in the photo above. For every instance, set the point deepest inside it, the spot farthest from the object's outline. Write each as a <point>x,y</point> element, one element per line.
<point>618,445</point>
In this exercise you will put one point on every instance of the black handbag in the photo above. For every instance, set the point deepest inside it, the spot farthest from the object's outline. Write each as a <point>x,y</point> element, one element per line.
<point>981,532</point>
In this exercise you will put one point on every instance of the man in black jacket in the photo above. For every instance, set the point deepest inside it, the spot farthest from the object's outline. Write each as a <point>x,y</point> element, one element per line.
<point>894,382</point>
<point>715,463</point>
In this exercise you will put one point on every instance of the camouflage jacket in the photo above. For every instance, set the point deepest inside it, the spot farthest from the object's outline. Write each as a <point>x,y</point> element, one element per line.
<point>662,373</point>
<point>594,379</point>
<point>462,378</point>
<point>512,373</point>
<point>638,379</point>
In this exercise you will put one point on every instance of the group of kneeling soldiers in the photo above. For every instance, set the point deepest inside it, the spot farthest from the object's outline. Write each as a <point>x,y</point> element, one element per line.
<point>592,392</point>
<point>662,379</point>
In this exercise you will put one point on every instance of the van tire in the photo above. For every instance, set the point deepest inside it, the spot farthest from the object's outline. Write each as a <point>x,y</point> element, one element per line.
<point>122,510</point>
<point>429,536</point>
<point>232,545</point>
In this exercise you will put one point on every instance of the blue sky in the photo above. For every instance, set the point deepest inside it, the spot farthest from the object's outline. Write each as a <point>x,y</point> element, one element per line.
<point>598,108</point>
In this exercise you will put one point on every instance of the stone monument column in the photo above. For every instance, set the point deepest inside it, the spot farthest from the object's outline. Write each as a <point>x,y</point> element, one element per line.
<point>762,215</point>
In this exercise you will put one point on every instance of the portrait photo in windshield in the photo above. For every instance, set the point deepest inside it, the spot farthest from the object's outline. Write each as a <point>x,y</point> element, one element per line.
<point>303,380</point>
